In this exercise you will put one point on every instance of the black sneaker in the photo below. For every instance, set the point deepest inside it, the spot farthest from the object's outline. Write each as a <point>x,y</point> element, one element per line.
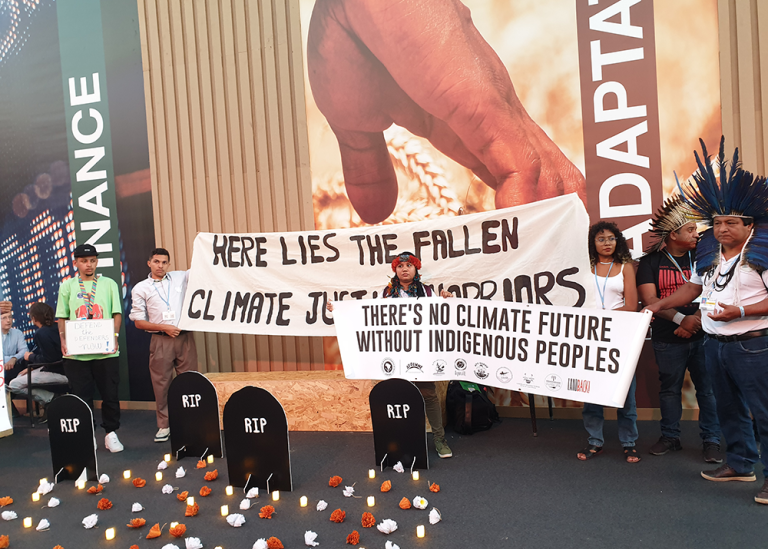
<point>664,445</point>
<point>726,473</point>
<point>711,452</point>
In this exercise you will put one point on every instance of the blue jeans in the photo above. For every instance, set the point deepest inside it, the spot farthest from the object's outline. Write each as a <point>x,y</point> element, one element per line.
<point>673,359</point>
<point>739,373</point>
<point>592,414</point>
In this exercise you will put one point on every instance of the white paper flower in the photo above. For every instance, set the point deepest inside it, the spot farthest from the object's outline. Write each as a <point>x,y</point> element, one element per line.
<point>321,505</point>
<point>103,479</point>
<point>193,543</point>
<point>260,544</point>
<point>137,508</point>
<point>399,467</point>
<point>170,546</point>
<point>420,503</point>
<point>252,493</point>
<point>348,491</point>
<point>180,472</point>
<point>435,516</point>
<point>9,515</point>
<point>236,520</point>
<point>43,525</point>
<point>90,521</point>
<point>309,538</point>
<point>390,545</point>
<point>167,489</point>
<point>44,488</point>
<point>53,502</point>
<point>162,466</point>
<point>387,526</point>
<point>245,504</point>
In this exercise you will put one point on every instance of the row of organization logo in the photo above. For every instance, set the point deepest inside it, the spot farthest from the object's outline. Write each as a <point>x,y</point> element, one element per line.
<point>482,372</point>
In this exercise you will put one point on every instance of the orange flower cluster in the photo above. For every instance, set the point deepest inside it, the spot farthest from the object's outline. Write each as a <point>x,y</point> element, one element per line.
<point>178,530</point>
<point>334,481</point>
<point>154,532</point>
<point>205,491</point>
<point>137,523</point>
<point>104,504</point>
<point>434,487</point>
<point>182,496</point>
<point>134,547</point>
<point>338,516</point>
<point>95,489</point>
<point>405,503</point>
<point>211,475</point>
<point>139,482</point>
<point>192,510</point>
<point>57,547</point>
<point>266,512</point>
<point>368,520</point>
<point>201,464</point>
<point>353,538</point>
<point>386,486</point>
<point>7,500</point>
<point>4,542</point>
<point>274,543</point>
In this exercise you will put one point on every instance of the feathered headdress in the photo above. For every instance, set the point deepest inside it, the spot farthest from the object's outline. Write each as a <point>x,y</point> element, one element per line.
<point>729,192</point>
<point>672,215</point>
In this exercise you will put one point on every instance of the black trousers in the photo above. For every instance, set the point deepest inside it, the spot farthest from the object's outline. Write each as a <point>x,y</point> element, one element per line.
<point>87,375</point>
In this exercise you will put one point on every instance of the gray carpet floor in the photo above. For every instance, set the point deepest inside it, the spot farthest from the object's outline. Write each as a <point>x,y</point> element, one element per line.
<point>502,488</point>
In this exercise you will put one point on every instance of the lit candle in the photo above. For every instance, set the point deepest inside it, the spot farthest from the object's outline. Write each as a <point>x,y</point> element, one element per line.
<point>127,474</point>
<point>35,496</point>
<point>303,501</point>
<point>28,522</point>
<point>158,476</point>
<point>210,459</point>
<point>43,481</point>
<point>218,547</point>
<point>415,475</point>
<point>190,501</point>
<point>275,495</point>
<point>229,490</point>
<point>167,458</point>
<point>420,531</point>
<point>371,501</point>
<point>80,484</point>
<point>224,510</point>
<point>110,533</point>
<point>174,524</point>
<point>371,473</point>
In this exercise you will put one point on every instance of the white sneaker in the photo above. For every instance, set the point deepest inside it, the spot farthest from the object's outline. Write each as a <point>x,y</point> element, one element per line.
<point>162,435</point>
<point>113,443</point>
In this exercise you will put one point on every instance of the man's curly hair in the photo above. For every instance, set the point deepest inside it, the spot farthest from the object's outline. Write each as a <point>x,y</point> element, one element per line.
<point>621,254</point>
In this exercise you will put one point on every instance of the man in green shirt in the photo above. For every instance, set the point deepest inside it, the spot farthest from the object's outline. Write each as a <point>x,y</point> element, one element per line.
<point>92,296</point>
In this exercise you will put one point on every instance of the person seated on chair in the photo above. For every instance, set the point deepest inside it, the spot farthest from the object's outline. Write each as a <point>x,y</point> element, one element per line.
<point>14,346</point>
<point>46,350</point>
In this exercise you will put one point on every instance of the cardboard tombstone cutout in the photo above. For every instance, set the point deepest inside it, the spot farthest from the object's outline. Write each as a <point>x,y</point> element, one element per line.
<point>256,438</point>
<point>193,416</point>
<point>399,429</point>
<point>73,444</point>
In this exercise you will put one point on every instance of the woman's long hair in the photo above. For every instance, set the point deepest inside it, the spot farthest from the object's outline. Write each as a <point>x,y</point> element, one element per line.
<point>621,253</point>
<point>42,312</point>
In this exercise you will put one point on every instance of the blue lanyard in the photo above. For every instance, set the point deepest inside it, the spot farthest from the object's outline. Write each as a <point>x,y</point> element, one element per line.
<point>605,283</point>
<point>167,299</point>
<point>690,264</point>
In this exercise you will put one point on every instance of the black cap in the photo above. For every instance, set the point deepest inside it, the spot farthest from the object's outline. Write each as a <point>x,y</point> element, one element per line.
<point>86,250</point>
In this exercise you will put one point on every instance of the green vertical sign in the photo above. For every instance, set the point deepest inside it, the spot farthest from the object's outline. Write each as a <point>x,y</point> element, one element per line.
<point>89,139</point>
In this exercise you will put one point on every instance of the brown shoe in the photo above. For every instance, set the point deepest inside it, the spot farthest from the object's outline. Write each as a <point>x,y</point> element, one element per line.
<point>726,473</point>
<point>762,495</point>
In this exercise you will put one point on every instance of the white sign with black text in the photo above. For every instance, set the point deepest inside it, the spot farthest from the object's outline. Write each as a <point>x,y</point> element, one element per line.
<point>90,337</point>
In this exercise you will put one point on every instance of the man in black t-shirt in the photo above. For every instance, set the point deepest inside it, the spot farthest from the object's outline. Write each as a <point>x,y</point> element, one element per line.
<point>678,341</point>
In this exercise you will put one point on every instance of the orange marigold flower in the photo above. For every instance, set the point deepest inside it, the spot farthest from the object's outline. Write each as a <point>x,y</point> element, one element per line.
<point>201,464</point>
<point>334,481</point>
<point>338,516</point>
<point>368,520</point>
<point>353,538</point>
<point>95,489</point>
<point>137,523</point>
<point>274,543</point>
<point>405,503</point>
<point>154,532</point>
<point>212,475</point>
<point>205,491</point>
<point>4,542</point>
<point>192,510</point>
<point>57,547</point>
<point>182,496</point>
<point>266,512</point>
<point>178,530</point>
<point>434,487</point>
<point>131,547</point>
<point>104,504</point>
<point>139,482</point>
<point>7,500</point>
<point>386,486</point>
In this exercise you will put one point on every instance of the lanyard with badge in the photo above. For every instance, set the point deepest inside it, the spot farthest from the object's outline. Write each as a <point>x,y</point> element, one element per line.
<point>605,283</point>
<point>168,314</point>
<point>89,299</point>
<point>682,273</point>
<point>708,302</point>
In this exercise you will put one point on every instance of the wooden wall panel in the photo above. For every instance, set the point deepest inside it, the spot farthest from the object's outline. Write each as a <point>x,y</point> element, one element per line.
<point>224,89</point>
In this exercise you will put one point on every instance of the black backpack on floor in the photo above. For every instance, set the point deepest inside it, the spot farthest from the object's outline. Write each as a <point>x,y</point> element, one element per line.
<point>469,408</point>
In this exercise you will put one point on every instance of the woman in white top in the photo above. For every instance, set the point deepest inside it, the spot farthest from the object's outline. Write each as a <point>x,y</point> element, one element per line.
<point>614,277</point>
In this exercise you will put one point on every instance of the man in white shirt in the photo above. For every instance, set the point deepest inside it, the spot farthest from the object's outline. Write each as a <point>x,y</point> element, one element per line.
<point>156,308</point>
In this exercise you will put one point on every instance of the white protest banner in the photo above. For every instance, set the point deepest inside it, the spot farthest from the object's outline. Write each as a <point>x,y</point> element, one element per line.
<point>588,355</point>
<point>90,337</point>
<point>279,283</point>
<point>6,427</point>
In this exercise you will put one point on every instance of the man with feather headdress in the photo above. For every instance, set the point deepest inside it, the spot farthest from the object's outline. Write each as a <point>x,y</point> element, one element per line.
<point>730,274</point>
